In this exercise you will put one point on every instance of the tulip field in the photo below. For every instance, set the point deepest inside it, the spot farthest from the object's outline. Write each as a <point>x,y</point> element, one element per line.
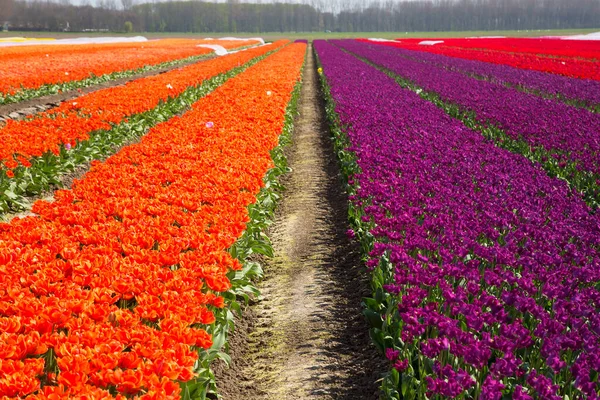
<point>572,58</point>
<point>124,284</point>
<point>32,71</point>
<point>134,217</point>
<point>474,191</point>
<point>92,124</point>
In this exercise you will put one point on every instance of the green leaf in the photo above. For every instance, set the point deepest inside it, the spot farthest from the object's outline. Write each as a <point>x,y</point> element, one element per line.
<point>395,376</point>
<point>377,338</point>
<point>225,357</point>
<point>219,340</point>
<point>406,384</point>
<point>263,248</point>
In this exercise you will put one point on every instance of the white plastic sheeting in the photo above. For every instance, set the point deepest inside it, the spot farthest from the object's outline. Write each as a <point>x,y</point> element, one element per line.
<point>430,42</point>
<point>589,36</point>
<point>253,47</point>
<point>383,40</point>
<point>219,50</point>
<point>261,40</point>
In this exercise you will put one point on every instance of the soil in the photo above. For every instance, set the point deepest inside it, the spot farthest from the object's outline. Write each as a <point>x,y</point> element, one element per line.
<point>29,107</point>
<point>307,338</point>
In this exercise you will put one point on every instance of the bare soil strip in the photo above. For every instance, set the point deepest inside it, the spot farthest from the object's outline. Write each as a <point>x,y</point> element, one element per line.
<point>22,109</point>
<point>307,337</point>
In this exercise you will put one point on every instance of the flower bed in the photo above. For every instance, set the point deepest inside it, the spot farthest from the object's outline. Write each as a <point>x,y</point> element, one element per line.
<point>582,68</point>
<point>485,270</point>
<point>37,150</point>
<point>112,289</point>
<point>29,72</point>
<point>563,137</point>
<point>583,92</point>
<point>589,49</point>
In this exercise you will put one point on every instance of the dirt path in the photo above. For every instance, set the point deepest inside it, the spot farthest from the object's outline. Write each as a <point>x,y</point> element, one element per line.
<point>308,338</point>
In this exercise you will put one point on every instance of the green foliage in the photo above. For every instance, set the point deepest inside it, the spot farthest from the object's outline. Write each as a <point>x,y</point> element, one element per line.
<point>128,27</point>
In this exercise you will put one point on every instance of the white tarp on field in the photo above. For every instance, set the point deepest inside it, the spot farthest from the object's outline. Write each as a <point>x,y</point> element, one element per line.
<point>383,40</point>
<point>589,36</point>
<point>82,40</point>
<point>219,50</point>
<point>246,48</point>
<point>430,42</point>
<point>261,40</point>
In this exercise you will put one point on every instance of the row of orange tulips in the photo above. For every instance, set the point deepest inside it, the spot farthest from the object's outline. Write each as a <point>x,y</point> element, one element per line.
<point>73,121</point>
<point>47,69</point>
<point>38,151</point>
<point>111,289</point>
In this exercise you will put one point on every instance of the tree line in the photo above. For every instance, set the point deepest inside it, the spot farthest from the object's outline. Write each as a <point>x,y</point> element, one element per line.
<point>309,16</point>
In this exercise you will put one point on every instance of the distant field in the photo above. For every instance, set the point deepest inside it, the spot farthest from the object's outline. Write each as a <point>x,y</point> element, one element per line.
<point>316,35</point>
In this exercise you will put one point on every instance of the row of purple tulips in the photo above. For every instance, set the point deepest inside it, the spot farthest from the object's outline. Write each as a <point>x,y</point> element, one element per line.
<point>568,135</point>
<point>585,92</point>
<point>485,269</point>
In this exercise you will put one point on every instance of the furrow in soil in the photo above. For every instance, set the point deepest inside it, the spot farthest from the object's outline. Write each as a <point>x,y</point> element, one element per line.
<point>307,338</point>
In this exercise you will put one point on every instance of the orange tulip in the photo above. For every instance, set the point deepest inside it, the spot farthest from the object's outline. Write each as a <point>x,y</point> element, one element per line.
<point>74,120</point>
<point>33,66</point>
<point>113,277</point>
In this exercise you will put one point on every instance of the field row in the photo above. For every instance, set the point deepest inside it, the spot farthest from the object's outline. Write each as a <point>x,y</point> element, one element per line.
<point>39,149</point>
<point>561,137</point>
<point>544,47</point>
<point>572,58</point>
<point>124,285</point>
<point>34,71</point>
<point>485,268</point>
<point>582,92</point>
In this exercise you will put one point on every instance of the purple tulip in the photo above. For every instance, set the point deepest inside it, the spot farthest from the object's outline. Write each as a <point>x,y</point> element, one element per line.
<point>496,264</point>
<point>586,91</point>
<point>570,131</point>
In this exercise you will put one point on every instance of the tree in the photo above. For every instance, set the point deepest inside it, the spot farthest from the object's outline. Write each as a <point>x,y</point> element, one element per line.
<point>128,27</point>
<point>6,7</point>
<point>307,15</point>
<point>127,4</point>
